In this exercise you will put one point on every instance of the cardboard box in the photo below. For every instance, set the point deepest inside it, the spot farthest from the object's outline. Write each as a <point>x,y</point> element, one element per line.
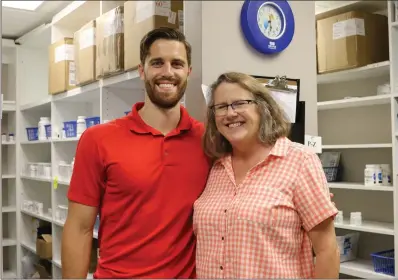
<point>140,17</point>
<point>351,40</point>
<point>110,43</point>
<point>85,49</point>
<point>62,71</point>
<point>44,246</point>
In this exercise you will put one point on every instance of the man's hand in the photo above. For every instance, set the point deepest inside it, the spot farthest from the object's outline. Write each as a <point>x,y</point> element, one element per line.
<point>331,198</point>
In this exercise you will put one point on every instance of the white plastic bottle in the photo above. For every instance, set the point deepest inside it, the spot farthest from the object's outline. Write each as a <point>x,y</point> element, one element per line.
<point>42,130</point>
<point>81,125</point>
<point>370,175</point>
<point>386,171</point>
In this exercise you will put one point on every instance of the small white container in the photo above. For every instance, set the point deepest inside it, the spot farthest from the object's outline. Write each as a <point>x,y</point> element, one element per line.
<point>386,174</point>
<point>63,210</point>
<point>3,137</point>
<point>339,217</point>
<point>81,125</point>
<point>356,218</point>
<point>383,89</point>
<point>33,170</point>
<point>373,175</point>
<point>42,130</point>
<point>11,137</point>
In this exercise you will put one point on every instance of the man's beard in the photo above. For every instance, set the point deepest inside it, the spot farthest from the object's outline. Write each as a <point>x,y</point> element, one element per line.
<point>163,100</point>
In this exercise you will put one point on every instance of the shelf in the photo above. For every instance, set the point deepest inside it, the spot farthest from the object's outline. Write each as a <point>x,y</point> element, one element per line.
<point>356,146</point>
<point>7,242</point>
<point>394,24</point>
<point>9,106</point>
<point>29,247</point>
<point>8,176</point>
<point>355,102</point>
<point>9,275</point>
<point>8,209</point>
<point>48,180</point>
<point>8,143</point>
<point>40,105</point>
<point>368,226</point>
<point>357,186</point>
<point>35,142</point>
<point>128,80</point>
<point>86,93</point>
<point>41,217</point>
<point>361,269</point>
<point>365,72</point>
<point>75,139</point>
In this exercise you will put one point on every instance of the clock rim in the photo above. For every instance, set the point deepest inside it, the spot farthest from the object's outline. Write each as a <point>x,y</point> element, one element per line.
<point>255,37</point>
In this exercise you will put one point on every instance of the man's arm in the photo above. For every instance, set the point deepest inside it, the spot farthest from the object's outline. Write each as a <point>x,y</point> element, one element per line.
<point>77,240</point>
<point>85,192</point>
<point>327,253</point>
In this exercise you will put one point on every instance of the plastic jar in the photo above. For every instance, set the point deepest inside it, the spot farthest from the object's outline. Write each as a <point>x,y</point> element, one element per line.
<point>386,174</point>
<point>339,217</point>
<point>373,175</point>
<point>81,125</point>
<point>42,130</point>
<point>356,218</point>
<point>3,137</point>
<point>11,137</point>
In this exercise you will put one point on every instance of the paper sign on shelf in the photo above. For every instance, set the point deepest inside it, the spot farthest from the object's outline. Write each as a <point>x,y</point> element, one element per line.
<point>314,143</point>
<point>206,93</point>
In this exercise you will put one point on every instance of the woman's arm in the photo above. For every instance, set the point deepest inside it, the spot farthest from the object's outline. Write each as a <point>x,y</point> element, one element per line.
<point>327,253</point>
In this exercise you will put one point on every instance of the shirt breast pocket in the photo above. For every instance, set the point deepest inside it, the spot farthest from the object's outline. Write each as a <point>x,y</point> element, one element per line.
<point>259,206</point>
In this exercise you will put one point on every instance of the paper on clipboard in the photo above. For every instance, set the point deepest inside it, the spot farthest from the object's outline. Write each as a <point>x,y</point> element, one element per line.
<point>287,100</point>
<point>206,93</point>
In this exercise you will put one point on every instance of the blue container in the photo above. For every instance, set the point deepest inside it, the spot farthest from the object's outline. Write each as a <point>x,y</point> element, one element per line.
<point>70,129</point>
<point>127,112</point>
<point>92,121</point>
<point>32,133</point>
<point>48,130</point>
<point>383,262</point>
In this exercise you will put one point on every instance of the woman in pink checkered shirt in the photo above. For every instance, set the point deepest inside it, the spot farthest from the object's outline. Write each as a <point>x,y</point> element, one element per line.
<point>266,206</point>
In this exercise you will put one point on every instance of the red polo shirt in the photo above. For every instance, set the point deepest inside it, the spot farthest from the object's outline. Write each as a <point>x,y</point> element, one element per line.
<point>145,185</point>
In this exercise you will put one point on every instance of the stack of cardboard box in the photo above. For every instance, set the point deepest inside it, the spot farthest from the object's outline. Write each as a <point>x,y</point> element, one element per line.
<point>351,40</point>
<point>109,44</point>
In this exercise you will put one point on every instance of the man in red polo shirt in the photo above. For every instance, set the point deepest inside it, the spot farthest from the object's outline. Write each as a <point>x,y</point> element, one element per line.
<point>142,173</point>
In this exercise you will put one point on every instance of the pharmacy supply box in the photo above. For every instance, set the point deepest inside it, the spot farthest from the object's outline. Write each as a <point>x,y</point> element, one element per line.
<point>62,71</point>
<point>140,17</point>
<point>84,44</point>
<point>351,40</point>
<point>110,43</point>
<point>44,246</point>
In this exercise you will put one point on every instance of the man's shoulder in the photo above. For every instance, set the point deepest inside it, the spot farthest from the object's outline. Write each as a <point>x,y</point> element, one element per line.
<point>104,130</point>
<point>197,126</point>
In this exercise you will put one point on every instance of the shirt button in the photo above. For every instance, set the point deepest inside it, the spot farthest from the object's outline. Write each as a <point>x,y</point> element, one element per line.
<point>221,267</point>
<point>225,211</point>
<point>222,238</point>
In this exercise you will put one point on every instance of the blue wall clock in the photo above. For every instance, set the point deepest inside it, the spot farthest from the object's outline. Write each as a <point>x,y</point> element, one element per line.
<point>268,26</point>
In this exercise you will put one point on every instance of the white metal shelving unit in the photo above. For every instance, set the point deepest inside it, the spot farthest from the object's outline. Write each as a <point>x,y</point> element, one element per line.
<point>8,255</point>
<point>108,99</point>
<point>365,130</point>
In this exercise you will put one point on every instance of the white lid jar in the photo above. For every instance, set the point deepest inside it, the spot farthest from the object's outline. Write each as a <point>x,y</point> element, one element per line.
<point>81,125</point>
<point>41,127</point>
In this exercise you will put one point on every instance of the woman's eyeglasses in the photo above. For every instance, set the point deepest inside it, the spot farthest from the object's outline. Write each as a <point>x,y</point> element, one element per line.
<point>238,106</point>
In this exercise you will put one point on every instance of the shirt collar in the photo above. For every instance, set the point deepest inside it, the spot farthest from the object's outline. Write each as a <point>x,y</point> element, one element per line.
<point>137,124</point>
<point>280,149</point>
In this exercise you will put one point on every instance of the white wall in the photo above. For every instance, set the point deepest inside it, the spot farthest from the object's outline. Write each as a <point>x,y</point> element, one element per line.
<point>225,49</point>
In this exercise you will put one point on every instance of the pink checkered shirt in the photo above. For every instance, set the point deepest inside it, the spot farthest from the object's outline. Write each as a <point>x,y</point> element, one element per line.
<point>259,229</point>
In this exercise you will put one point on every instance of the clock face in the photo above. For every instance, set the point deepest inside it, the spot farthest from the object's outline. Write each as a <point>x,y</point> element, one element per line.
<point>270,21</point>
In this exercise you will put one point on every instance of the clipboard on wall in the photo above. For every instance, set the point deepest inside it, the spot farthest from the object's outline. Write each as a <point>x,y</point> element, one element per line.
<point>297,131</point>
<point>286,92</point>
